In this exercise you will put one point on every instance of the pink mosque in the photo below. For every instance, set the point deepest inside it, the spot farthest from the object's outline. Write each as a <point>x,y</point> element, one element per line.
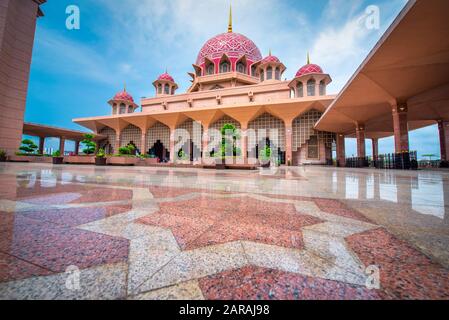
<point>232,83</point>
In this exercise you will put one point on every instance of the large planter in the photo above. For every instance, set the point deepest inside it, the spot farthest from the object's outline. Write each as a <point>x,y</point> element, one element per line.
<point>20,158</point>
<point>220,164</point>
<point>80,159</point>
<point>100,161</point>
<point>58,160</point>
<point>151,161</point>
<point>122,161</point>
<point>266,164</point>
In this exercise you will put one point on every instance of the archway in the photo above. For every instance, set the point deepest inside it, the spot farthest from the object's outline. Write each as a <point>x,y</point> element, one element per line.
<point>269,131</point>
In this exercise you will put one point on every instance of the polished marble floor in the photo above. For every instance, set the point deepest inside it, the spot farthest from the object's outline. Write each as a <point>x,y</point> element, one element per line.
<point>83,232</point>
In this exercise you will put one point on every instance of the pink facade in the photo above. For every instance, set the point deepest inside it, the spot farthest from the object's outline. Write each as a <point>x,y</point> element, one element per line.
<point>17,28</point>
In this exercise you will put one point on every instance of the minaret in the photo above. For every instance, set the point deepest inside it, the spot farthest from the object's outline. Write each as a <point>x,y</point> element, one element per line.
<point>123,102</point>
<point>165,85</point>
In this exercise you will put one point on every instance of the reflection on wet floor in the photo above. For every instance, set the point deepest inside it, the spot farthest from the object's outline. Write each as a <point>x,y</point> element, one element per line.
<point>292,222</point>
<point>424,192</point>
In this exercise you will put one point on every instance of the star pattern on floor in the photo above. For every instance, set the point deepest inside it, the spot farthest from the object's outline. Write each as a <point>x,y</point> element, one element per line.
<point>185,245</point>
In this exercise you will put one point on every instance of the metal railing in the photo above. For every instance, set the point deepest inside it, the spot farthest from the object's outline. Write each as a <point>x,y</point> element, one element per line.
<point>397,161</point>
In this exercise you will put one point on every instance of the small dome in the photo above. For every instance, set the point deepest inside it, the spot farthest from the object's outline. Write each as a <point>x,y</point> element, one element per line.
<point>166,77</point>
<point>125,96</point>
<point>271,58</point>
<point>309,68</point>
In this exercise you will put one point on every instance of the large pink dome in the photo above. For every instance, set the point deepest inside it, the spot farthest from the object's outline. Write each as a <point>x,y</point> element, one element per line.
<point>309,68</point>
<point>233,45</point>
<point>124,96</point>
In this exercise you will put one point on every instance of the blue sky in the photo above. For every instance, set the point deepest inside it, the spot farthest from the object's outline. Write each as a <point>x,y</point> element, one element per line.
<point>75,72</point>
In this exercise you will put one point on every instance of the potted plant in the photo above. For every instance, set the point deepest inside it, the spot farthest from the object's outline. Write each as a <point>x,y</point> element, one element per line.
<point>28,147</point>
<point>57,159</point>
<point>265,156</point>
<point>125,156</point>
<point>2,155</point>
<point>100,159</point>
<point>89,144</point>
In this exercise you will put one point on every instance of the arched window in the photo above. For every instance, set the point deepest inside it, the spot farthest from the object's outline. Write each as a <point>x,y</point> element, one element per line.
<point>322,88</point>
<point>253,71</point>
<point>262,76</point>
<point>311,87</point>
<point>172,90</point>
<point>159,88</point>
<point>114,108</point>
<point>269,73</point>
<point>241,68</point>
<point>299,90</point>
<point>130,110</point>
<point>210,69</point>
<point>167,89</point>
<point>224,67</point>
<point>277,74</point>
<point>292,93</point>
<point>122,108</point>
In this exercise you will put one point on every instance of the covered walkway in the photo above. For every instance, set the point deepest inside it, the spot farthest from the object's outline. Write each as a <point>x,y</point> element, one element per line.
<point>401,86</point>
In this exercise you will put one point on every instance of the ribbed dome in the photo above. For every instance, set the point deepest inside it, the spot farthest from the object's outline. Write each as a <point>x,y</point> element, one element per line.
<point>309,68</point>
<point>271,58</point>
<point>165,76</point>
<point>233,45</point>
<point>124,96</point>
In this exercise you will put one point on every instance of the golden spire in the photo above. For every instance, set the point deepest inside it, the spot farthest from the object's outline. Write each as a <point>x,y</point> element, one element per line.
<point>269,53</point>
<point>308,58</point>
<point>230,19</point>
<point>124,86</point>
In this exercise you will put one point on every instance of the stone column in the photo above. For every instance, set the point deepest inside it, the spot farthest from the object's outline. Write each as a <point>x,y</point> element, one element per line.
<point>288,143</point>
<point>244,132</point>
<point>62,145</point>
<point>118,141</point>
<point>172,145</point>
<point>143,142</point>
<point>360,135</point>
<point>41,145</point>
<point>341,150</point>
<point>205,144</point>
<point>375,142</point>
<point>77,147</point>
<point>443,128</point>
<point>400,126</point>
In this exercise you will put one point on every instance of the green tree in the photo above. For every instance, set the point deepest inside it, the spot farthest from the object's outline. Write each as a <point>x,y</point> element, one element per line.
<point>89,144</point>
<point>28,146</point>
<point>229,130</point>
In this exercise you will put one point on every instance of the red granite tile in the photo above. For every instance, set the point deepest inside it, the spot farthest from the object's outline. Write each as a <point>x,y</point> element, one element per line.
<point>340,209</point>
<point>253,283</point>
<point>208,221</point>
<point>405,272</point>
<point>104,195</point>
<point>12,269</point>
<point>72,217</point>
<point>227,232</point>
<point>184,229</point>
<point>287,197</point>
<point>169,192</point>
<point>55,247</point>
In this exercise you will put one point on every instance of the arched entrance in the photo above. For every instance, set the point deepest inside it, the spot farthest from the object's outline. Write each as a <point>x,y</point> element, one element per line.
<point>159,151</point>
<point>269,132</point>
